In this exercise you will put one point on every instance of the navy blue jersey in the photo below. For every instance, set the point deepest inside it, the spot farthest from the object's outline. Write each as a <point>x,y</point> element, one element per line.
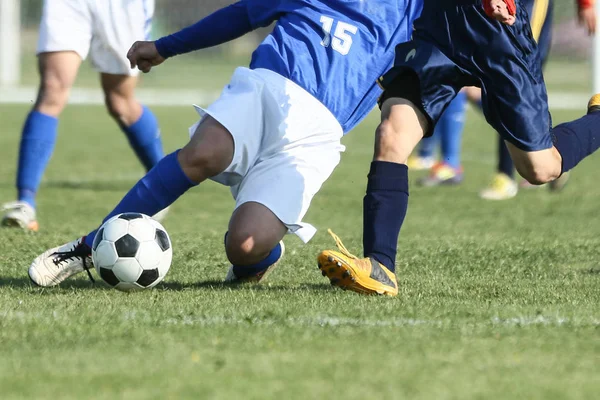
<point>334,49</point>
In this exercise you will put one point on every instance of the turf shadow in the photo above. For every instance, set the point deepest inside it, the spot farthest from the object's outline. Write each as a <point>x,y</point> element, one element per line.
<point>219,285</point>
<point>25,282</point>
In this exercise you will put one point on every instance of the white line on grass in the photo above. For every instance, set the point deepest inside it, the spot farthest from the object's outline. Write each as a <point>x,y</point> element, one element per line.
<point>168,97</point>
<point>142,317</point>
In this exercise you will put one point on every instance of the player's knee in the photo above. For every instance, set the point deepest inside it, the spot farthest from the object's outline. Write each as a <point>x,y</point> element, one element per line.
<point>200,160</point>
<point>246,247</point>
<point>52,96</point>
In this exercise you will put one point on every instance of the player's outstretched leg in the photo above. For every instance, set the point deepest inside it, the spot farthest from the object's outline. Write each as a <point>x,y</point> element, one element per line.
<point>137,122</point>
<point>208,153</point>
<point>254,243</point>
<point>449,131</point>
<point>573,141</point>
<point>57,73</point>
<point>384,206</point>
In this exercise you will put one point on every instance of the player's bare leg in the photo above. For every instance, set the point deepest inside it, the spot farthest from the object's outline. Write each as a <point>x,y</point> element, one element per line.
<point>253,243</point>
<point>137,122</point>
<point>402,127</point>
<point>537,167</point>
<point>58,71</point>
<point>119,97</point>
<point>207,154</point>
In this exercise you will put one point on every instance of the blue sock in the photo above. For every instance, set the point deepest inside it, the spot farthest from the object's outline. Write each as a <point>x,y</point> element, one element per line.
<point>37,144</point>
<point>577,139</point>
<point>451,127</point>
<point>505,162</point>
<point>244,271</point>
<point>144,138</point>
<point>384,209</point>
<point>154,192</point>
<point>427,146</point>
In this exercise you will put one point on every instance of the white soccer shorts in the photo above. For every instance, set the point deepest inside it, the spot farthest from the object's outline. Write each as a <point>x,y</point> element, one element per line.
<point>287,143</point>
<point>104,29</point>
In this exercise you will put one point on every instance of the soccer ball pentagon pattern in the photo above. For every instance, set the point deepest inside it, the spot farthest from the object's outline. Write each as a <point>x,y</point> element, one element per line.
<point>131,251</point>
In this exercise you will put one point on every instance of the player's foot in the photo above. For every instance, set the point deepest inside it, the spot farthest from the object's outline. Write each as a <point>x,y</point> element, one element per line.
<point>418,163</point>
<point>57,264</point>
<point>19,214</point>
<point>259,276</point>
<point>502,187</point>
<point>442,174</point>
<point>559,183</point>
<point>361,275</point>
<point>161,215</point>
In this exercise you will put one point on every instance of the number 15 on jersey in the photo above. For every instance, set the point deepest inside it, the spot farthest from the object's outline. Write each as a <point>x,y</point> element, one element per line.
<point>342,39</point>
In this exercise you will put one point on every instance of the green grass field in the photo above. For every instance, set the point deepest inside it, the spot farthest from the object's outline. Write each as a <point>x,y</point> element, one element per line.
<point>497,300</point>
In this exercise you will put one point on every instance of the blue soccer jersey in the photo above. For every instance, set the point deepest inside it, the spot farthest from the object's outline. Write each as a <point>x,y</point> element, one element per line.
<point>334,49</point>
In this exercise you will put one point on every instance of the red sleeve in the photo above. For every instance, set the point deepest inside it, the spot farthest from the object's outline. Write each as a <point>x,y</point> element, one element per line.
<point>583,4</point>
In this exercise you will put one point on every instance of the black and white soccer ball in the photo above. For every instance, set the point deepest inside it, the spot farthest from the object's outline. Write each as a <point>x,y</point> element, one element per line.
<point>132,251</point>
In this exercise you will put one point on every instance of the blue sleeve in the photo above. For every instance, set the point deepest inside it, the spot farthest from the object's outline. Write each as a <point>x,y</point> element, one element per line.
<point>263,12</point>
<point>221,26</point>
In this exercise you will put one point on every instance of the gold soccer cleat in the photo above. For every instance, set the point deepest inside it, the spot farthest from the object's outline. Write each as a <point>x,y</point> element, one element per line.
<point>361,275</point>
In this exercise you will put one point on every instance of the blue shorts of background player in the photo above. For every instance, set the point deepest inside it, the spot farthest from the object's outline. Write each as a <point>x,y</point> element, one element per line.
<point>448,131</point>
<point>456,45</point>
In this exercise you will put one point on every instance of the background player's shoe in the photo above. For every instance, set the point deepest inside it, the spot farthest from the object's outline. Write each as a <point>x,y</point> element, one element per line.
<point>57,264</point>
<point>20,214</point>
<point>442,174</point>
<point>502,187</point>
<point>259,276</point>
<point>348,272</point>
<point>418,163</point>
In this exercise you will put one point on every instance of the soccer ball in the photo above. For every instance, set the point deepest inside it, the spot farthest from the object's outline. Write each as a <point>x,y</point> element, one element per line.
<point>131,251</point>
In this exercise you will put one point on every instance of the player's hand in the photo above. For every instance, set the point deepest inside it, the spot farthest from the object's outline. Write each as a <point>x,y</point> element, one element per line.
<point>501,10</point>
<point>144,56</point>
<point>587,18</point>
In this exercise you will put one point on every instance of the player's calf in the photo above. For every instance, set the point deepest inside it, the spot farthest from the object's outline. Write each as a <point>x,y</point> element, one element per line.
<point>537,167</point>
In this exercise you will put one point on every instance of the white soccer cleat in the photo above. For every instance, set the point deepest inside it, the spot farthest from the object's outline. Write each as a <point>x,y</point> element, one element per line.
<point>259,277</point>
<point>19,214</point>
<point>56,265</point>
<point>161,215</point>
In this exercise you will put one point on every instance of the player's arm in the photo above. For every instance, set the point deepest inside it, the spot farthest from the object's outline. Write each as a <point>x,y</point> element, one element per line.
<point>587,15</point>
<point>220,27</point>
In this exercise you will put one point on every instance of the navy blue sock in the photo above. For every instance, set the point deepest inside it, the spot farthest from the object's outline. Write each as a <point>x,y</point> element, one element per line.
<point>384,209</point>
<point>144,138</point>
<point>245,271</point>
<point>154,192</point>
<point>577,139</point>
<point>505,162</point>
<point>37,144</point>
<point>453,122</point>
